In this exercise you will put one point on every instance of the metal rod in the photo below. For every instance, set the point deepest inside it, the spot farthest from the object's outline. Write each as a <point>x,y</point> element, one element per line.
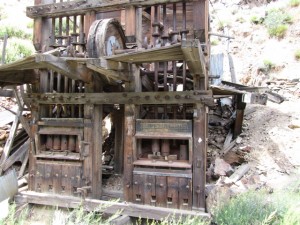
<point>184,31</point>
<point>53,32</point>
<point>81,29</point>
<point>59,31</point>
<point>68,30</point>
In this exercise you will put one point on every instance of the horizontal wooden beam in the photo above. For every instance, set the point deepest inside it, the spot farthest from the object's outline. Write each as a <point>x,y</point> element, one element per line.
<point>81,7</point>
<point>111,72</point>
<point>138,98</point>
<point>18,77</point>
<point>73,70</point>
<point>123,208</point>
<point>161,54</point>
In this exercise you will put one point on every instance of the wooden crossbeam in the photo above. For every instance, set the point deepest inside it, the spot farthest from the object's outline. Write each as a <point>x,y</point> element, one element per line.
<point>73,70</point>
<point>81,7</point>
<point>138,98</point>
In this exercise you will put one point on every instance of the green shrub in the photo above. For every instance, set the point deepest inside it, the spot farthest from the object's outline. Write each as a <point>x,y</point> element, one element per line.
<point>278,31</point>
<point>294,3</point>
<point>276,22</point>
<point>214,42</point>
<point>297,54</point>
<point>15,217</point>
<point>268,65</point>
<point>260,207</point>
<point>17,49</point>
<point>256,20</point>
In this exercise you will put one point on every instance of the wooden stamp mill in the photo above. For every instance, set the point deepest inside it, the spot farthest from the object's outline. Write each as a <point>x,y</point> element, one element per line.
<point>144,65</point>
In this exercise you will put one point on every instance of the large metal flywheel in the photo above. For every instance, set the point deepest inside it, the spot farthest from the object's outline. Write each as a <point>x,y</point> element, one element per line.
<point>104,37</point>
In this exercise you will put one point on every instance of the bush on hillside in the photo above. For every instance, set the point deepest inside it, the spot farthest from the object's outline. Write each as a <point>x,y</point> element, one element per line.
<point>260,207</point>
<point>297,55</point>
<point>276,22</point>
<point>294,3</point>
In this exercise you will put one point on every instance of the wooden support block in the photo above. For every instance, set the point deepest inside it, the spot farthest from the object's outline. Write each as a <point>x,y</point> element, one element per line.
<point>149,191</point>
<point>172,192</point>
<point>138,189</point>
<point>161,191</point>
<point>185,193</point>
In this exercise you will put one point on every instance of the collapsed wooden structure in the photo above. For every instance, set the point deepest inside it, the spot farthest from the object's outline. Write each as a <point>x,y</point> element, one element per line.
<point>143,63</point>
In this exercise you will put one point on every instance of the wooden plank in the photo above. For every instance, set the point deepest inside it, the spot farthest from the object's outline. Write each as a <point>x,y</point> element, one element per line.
<point>138,98</point>
<point>166,53</point>
<point>134,210</point>
<point>172,192</point>
<point>161,191</point>
<point>149,190</point>
<point>17,155</point>
<point>81,7</point>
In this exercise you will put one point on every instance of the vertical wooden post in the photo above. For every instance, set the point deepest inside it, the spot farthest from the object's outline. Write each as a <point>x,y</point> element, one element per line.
<point>199,156</point>
<point>96,152</point>
<point>240,107</point>
<point>130,24</point>
<point>118,121</point>
<point>200,131</point>
<point>128,151</point>
<point>132,29</point>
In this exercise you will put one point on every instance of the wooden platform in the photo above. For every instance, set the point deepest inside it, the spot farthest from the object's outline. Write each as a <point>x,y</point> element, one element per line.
<point>124,208</point>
